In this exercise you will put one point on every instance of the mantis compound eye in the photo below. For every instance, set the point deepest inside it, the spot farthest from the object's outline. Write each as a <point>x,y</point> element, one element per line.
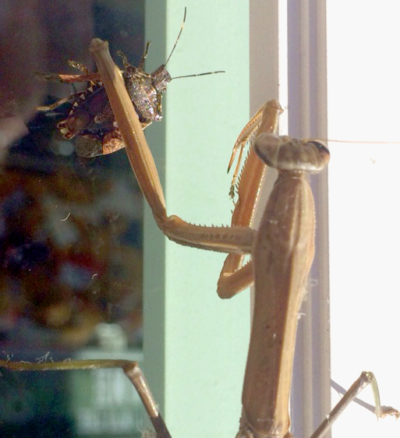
<point>287,153</point>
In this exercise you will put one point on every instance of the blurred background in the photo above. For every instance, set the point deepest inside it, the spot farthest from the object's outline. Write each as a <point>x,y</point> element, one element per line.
<point>70,229</point>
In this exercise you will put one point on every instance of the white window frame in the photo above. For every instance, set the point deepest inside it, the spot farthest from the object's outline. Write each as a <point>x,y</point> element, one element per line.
<point>346,325</point>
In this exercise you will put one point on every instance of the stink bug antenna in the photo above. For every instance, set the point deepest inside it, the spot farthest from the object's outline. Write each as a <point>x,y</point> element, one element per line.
<point>172,51</point>
<point>177,39</point>
<point>199,74</point>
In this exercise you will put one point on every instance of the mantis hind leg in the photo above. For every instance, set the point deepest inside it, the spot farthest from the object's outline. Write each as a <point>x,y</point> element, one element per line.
<point>130,368</point>
<point>366,378</point>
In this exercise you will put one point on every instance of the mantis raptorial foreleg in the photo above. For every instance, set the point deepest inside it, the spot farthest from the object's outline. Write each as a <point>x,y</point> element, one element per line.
<point>246,136</point>
<point>282,250</point>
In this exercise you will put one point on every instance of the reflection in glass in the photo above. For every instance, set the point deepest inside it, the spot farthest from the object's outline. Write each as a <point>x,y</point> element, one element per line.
<point>70,230</point>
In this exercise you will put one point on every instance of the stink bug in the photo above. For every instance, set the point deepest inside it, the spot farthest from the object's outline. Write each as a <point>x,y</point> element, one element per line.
<point>91,119</point>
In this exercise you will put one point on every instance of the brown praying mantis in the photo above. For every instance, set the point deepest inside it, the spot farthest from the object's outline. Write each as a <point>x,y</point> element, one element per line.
<point>282,250</point>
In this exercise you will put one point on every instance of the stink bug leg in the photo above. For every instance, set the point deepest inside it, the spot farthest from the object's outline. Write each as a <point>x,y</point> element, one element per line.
<point>90,119</point>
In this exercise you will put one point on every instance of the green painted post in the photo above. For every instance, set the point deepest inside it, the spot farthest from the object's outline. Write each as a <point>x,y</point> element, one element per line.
<point>195,343</point>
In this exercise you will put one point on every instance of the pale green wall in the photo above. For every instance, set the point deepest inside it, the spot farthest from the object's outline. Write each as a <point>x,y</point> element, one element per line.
<point>195,343</point>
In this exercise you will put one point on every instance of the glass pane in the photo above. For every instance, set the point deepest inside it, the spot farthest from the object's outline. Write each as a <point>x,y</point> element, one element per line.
<point>70,228</point>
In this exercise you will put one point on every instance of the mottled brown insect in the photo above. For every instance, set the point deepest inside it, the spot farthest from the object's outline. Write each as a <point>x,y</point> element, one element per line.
<point>91,120</point>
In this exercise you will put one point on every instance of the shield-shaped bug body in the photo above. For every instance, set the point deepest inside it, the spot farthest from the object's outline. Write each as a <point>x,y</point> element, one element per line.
<point>90,118</point>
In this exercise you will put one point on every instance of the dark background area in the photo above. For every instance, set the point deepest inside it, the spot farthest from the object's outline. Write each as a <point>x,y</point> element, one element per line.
<point>70,227</point>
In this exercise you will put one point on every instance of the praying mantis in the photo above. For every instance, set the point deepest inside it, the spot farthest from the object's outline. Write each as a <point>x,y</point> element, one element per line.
<point>282,250</point>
